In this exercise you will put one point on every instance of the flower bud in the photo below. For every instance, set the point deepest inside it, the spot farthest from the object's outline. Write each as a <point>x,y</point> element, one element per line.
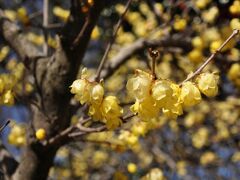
<point>161,90</point>
<point>97,94</point>
<point>40,134</point>
<point>190,94</point>
<point>139,86</point>
<point>208,84</point>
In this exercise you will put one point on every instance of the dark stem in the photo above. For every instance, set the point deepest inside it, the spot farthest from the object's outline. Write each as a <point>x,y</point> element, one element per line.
<point>3,126</point>
<point>153,54</point>
<point>45,24</point>
<point>104,58</point>
<point>199,70</point>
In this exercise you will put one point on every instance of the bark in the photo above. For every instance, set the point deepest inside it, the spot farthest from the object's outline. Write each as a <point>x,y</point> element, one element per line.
<point>7,163</point>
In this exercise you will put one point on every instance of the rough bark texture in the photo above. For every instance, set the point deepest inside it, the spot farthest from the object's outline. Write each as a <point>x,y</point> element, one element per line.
<point>53,76</point>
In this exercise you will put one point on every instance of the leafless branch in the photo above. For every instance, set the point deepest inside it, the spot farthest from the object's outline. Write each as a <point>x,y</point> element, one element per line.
<point>199,70</point>
<point>13,36</point>
<point>138,46</point>
<point>104,58</point>
<point>5,124</point>
<point>45,24</point>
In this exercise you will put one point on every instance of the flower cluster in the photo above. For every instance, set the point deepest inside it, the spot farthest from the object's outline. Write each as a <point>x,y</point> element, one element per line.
<point>153,96</point>
<point>105,109</point>
<point>17,135</point>
<point>10,82</point>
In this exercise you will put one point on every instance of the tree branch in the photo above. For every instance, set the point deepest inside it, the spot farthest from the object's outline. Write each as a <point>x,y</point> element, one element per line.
<point>199,70</point>
<point>7,163</point>
<point>104,58</point>
<point>126,52</point>
<point>14,37</point>
<point>4,125</point>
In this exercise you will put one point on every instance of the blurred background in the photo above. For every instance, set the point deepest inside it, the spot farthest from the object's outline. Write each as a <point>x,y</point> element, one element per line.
<point>203,143</point>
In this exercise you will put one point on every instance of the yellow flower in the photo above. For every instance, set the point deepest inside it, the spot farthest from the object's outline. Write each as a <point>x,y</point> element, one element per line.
<point>234,72</point>
<point>22,15</point>
<point>208,84</point>
<point>154,173</point>
<point>190,94</point>
<point>210,15</point>
<point>139,128</point>
<point>40,134</point>
<point>161,91</point>
<point>111,111</point>
<point>8,98</point>
<point>146,109</point>
<point>97,94</point>
<point>132,168</point>
<point>180,24</point>
<point>81,88</point>
<point>197,42</point>
<point>139,85</point>
<point>4,52</point>
<point>201,4</point>
<point>235,8</point>
<point>215,45</point>
<point>95,33</point>
<point>61,13</point>
<point>2,85</point>
<point>173,107</point>
<point>95,112</point>
<point>208,158</point>
<point>235,23</point>
<point>200,138</point>
<point>17,135</point>
<point>196,55</point>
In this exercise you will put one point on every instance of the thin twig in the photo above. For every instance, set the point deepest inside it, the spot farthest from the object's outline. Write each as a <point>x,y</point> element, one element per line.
<point>85,130</point>
<point>164,156</point>
<point>35,14</point>
<point>125,118</point>
<point>83,121</point>
<point>45,24</point>
<point>54,26</point>
<point>153,54</point>
<point>3,126</point>
<point>69,132</point>
<point>77,39</point>
<point>104,58</point>
<point>63,134</point>
<point>59,136</point>
<point>199,70</point>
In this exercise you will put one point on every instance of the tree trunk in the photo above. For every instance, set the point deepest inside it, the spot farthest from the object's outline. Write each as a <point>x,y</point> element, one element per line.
<point>35,164</point>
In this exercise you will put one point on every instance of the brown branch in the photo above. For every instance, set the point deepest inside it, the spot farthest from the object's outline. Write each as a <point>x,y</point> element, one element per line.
<point>104,58</point>
<point>81,33</point>
<point>69,133</point>
<point>85,130</point>
<point>153,54</point>
<point>13,36</point>
<point>59,138</point>
<point>160,155</point>
<point>199,70</point>
<point>138,46</point>
<point>45,24</point>
<point>7,162</point>
<point>5,125</point>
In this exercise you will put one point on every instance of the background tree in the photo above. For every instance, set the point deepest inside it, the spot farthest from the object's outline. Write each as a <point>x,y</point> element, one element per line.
<point>118,125</point>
